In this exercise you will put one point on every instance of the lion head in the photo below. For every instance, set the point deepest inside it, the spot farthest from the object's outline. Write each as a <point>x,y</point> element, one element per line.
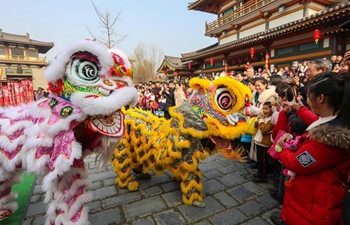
<point>219,104</point>
<point>97,80</point>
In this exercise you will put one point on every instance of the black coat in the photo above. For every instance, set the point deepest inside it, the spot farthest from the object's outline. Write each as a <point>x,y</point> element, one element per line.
<point>170,99</point>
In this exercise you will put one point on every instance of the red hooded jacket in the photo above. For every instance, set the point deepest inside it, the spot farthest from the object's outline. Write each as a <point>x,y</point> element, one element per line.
<point>317,194</point>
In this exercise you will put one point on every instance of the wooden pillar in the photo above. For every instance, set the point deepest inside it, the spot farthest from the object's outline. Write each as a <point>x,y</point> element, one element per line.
<point>237,27</point>
<point>334,44</point>
<point>225,61</point>
<point>267,46</point>
<point>343,43</point>
<point>266,17</point>
<point>305,3</point>
<point>7,51</point>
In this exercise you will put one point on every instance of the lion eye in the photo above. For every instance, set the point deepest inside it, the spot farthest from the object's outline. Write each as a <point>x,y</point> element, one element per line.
<point>85,71</point>
<point>223,99</point>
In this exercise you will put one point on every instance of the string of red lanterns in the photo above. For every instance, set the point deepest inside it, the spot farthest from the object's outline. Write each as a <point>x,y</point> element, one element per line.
<point>316,35</point>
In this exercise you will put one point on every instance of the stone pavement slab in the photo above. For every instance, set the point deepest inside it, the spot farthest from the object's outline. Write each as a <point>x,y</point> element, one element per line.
<point>229,194</point>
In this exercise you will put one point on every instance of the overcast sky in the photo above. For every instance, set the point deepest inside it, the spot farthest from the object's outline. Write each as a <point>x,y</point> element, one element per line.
<point>166,23</point>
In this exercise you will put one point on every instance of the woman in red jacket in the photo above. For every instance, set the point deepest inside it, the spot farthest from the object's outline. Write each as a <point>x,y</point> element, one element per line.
<point>288,121</point>
<point>322,159</point>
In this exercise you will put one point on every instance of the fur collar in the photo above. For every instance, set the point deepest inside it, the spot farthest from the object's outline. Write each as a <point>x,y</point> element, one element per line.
<point>267,95</point>
<point>332,135</point>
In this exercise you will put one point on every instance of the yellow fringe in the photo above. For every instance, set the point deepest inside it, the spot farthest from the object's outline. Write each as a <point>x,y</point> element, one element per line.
<point>121,183</point>
<point>198,83</point>
<point>190,131</point>
<point>236,88</point>
<point>125,163</point>
<point>193,197</point>
<point>133,186</point>
<point>124,176</point>
<point>226,132</point>
<point>234,154</point>
<point>192,184</point>
<point>153,141</point>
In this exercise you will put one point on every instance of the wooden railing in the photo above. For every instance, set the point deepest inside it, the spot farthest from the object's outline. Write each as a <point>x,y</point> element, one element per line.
<point>23,58</point>
<point>240,11</point>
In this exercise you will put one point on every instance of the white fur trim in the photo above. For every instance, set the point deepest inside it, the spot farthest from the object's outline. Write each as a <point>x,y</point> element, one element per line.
<point>10,165</point>
<point>26,110</point>
<point>6,143</point>
<point>8,202</point>
<point>61,125</point>
<point>57,68</point>
<point>59,200</point>
<point>9,128</point>
<point>105,105</point>
<point>105,152</point>
<point>62,165</point>
<point>10,182</point>
<point>4,174</point>
<point>37,166</point>
<point>123,56</point>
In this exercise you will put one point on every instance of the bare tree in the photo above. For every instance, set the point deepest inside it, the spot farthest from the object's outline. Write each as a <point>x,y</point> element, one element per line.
<point>147,59</point>
<point>107,24</point>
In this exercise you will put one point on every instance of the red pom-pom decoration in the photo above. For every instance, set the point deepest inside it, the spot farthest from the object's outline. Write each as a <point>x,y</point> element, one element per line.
<point>56,87</point>
<point>288,184</point>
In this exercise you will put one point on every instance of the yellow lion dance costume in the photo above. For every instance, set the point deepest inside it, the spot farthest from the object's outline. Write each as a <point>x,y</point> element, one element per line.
<point>206,122</point>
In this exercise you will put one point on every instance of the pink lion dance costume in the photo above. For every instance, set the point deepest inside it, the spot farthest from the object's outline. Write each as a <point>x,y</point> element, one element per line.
<point>89,84</point>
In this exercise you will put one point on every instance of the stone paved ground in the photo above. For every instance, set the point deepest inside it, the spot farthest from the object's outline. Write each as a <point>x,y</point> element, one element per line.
<point>230,196</point>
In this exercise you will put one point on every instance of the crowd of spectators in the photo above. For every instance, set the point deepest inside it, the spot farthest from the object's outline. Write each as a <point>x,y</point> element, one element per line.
<point>40,93</point>
<point>281,100</point>
<point>158,96</point>
<point>287,99</point>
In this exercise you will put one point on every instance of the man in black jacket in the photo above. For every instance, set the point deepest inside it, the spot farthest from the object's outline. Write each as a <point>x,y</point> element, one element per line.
<point>315,67</point>
<point>170,99</point>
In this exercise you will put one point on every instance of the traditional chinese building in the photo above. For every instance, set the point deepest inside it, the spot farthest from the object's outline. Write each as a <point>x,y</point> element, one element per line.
<point>172,67</point>
<point>21,67</point>
<point>269,33</point>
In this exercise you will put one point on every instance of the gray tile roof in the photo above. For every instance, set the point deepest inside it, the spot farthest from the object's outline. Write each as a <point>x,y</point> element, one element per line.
<point>303,23</point>
<point>43,47</point>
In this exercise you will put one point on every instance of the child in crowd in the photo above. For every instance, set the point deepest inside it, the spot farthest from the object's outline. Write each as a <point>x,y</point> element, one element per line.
<point>154,106</point>
<point>161,106</point>
<point>263,141</point>
<point>142,101</point>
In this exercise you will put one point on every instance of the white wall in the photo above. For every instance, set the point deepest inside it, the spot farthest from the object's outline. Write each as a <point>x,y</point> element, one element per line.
<point>228,39</point>
<point>286,19</point>
<point>252,31</point>
<point>38,78</point>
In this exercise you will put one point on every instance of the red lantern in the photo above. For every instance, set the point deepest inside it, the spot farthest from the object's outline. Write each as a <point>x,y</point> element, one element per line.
<point>211,61</point>
<point>252,52</point>
<point>189,65</point>
<point>159,77</point>
<point>176,73</point>
<point>317,35</point>
<point>267,60</point>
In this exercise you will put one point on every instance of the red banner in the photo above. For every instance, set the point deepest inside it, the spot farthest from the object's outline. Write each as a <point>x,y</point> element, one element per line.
<point>16,92</point>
